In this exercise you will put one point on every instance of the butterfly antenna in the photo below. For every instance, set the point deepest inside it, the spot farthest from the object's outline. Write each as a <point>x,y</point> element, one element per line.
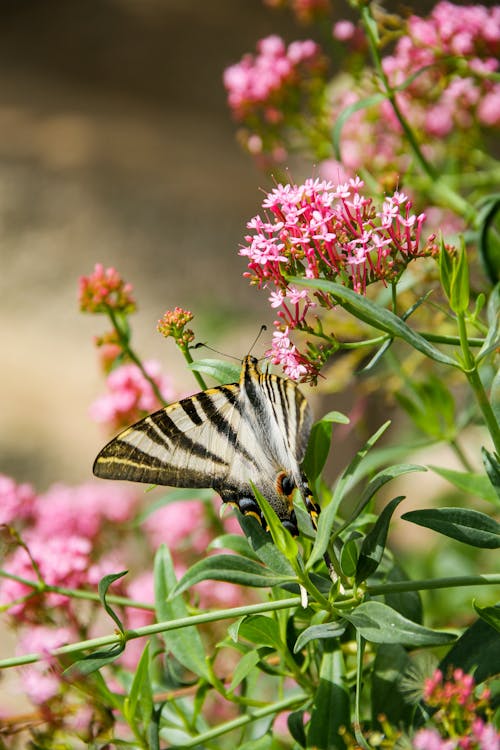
<point>261,331</point>
<point>216,351</point>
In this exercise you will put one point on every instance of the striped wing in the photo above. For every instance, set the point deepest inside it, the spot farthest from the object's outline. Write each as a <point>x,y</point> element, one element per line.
<point>192,443</point>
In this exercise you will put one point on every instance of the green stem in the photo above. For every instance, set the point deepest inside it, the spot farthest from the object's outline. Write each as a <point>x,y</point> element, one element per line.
<point>241,721</point>
<point>456,447</point>
<point>159,627</point>
<point>187,356</point>
<point>433,337</point>
<point>433,583</point>
<point>471,372</point>
<point>39,587</point>
<point>124,343</point>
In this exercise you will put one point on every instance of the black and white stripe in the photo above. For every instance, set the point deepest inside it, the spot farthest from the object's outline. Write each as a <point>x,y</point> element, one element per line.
<point>227,438</point>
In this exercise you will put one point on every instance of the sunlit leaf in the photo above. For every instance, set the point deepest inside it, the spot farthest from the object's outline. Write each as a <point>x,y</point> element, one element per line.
<point>381,624</point>
<point>463,524</point>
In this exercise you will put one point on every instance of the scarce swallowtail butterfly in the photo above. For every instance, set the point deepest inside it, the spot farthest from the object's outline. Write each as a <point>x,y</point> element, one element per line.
<point>227,438</point>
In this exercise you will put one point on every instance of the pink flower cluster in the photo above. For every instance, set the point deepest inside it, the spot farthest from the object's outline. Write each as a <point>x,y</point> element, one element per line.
<point>322,230</point>
<point>456,48</point>
<point>130,395</point>
<point>458,710</point>
<point>268,91</point>
<point>60,530</point>
<point>105,290</point>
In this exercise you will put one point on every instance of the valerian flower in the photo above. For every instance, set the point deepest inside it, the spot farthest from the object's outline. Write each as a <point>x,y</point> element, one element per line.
<point>104,290</point>
<point>174,324</point>
<point>322,230</point>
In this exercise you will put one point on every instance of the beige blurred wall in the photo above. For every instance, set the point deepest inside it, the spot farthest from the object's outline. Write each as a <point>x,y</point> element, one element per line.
<point>116,146</point>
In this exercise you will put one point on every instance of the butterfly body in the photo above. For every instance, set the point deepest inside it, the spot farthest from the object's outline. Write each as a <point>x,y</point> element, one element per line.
<point>227,438</point>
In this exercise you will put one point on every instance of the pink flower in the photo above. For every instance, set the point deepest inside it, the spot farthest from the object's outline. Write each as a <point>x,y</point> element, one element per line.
<point>42,681</point>
<point>61,560</point>
<point>105,290</point>
<point>140,589</point>
<point>179,525</point>
<point>430,739</point>
<point>16,500</point>
<point>130,395</point>
<point>83,510</point>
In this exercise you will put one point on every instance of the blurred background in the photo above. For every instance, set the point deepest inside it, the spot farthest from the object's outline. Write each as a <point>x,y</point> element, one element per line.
<point>116,147</point>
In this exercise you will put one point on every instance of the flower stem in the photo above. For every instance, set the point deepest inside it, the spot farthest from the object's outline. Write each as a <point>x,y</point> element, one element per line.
<point>432,583</point>
<point>187,356</point>
<point>471,372</point>
<point>124,343</point>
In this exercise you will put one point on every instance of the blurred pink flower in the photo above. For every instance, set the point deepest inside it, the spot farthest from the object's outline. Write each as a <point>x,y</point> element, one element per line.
<point>16,500</point>
<point>141,589</point>
<point>130,395</point>
<point>82,510</point>
<point>62,561</point>
<point>41,681</point>
<point>104,290</point>
<point>430,739</point>
<point>179,525</point>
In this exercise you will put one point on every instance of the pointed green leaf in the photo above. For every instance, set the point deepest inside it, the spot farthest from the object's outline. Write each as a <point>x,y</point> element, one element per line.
<point>103,587</point>
<point>407,603</point>
<point>92,662</point>
<point>492,466</point>
<point>184,643</point>
<point>462,524</point>
<point>234,542</point>
<point>281,536</point>
<point>232,569</point>
<point>296,728</point>
<point>318,446</point>
<point>138,707</point>
<point>378,317</point>
<point>328,515</point>
<point>349,558</point>
<point>477,650</point>
<point>373,545</point>
<point>262,544</point>
<point>331,705</point>
<point>489,244</point>
<point>261,630</point>
<point>223,372</point>
<point>327,631</point>
<point>245,665</point>
<point>460,293</point>
<point>473,484</point>
<point>391,662</point>
<point>379,623</point>
<point>340,121</point>
<point>491,615</point>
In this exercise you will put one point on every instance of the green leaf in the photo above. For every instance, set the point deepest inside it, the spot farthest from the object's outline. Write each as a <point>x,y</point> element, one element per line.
<point>331,706</point>
<point>493,313</point>
<point>492,465</point>
<point>489,243</point>
<point>295,723</point>
<point>477,650</point>
<point>460,292</point>
<point>379,623</point>
<point>462,524</point>
<point>327,630</point>
<point>281,536</point>
<point>391,662</point>
<point>491,615</point>
<point>407,603</point>
<point>184,643</point>
<point>261,630</point>
<point>103,587</point>
<point>379,480</point>
<point>92,662</point>
<point>245,665</point>
<point>373,545</point>
<point>430,405</point>
<point>224,372</point>
<point>232,569</point>
<point>378,317</point>
<point>262,544</point>
<point>349,557</point>
<point>318,446</point>
<point>328,515</point>
<point>473,484</point>
<point>234,542</point>
<point>138,706</point>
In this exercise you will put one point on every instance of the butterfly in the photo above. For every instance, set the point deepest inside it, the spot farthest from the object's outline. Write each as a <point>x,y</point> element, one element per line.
<point>226,438</point>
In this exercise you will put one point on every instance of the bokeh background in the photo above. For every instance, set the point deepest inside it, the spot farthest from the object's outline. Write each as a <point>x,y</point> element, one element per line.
<point>116,147</point>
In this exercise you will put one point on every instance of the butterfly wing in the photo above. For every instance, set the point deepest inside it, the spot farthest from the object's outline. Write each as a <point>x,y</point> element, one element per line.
<point>191,443</point>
